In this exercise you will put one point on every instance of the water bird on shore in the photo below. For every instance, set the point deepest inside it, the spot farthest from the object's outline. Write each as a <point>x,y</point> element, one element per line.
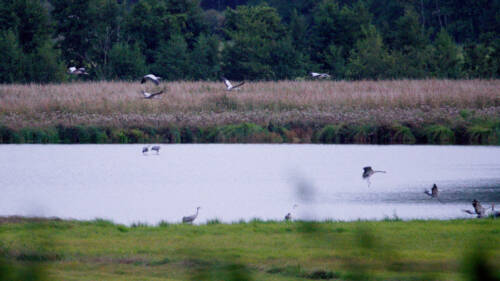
<point>190,219</point>
<point>145,149</point>
<point>77,71</point>
<point>368,172</point>
<point>289,215</point>
<point>479,210</point>
<point>320,75</point>
<point>433,193</point>
<point>230,86</point>
<point>151,95</point>
<point>156,148</point>
<point>151,77</point>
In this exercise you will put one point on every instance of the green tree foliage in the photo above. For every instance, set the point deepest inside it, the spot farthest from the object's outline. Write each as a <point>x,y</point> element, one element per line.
<point>28,54</point>
<point>335,32</point>
<point>151,22</point>
<point>43,65</point>
<point>88,30</point>
<point>10,57</point>
<point>251,40</point>
<point>445,57</point>
<point>205,59</point>
<point>31,23</point>
<point>258,46</point>
<point>126,62</point>
<point>479,61</point>
<point>75,25</point>
<point>172,59</point>
<point>369,59</point>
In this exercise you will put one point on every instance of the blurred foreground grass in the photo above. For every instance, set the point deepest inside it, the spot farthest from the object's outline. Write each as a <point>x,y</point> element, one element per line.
<point>255,250</point>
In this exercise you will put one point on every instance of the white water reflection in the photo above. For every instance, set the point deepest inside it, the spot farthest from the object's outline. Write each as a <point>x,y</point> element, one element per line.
<point>232,182</point>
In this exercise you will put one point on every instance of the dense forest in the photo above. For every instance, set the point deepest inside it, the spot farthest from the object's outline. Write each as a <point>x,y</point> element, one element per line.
<point>248,40</point>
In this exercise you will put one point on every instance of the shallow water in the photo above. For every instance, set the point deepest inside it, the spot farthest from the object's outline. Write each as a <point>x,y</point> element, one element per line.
<point>233,182</point>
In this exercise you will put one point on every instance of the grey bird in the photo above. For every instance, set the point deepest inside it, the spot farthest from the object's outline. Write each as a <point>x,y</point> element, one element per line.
<point>190,219</point>
<point>145,149</point>
<point>289,215</point>
<point>77,71</point>
<point>156,148</point>
<point>433,193</point>
<point>320,75</point>
<point>479,210</point>
<point>150,95</point>
<point>151,77</point>
<point>368,172</point>
<point>230,86</point>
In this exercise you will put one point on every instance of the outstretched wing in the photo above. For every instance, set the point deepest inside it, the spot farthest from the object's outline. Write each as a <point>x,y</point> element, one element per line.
<point>155,94</point>
<point>469,212</point>
<point>239,84</point>
<point>150,78</point>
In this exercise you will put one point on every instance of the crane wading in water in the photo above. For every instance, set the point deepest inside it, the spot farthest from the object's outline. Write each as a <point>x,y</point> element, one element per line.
<point>156,148</point>
<point>433,193</point>
<point>368,172</point>
<point>479,210</point>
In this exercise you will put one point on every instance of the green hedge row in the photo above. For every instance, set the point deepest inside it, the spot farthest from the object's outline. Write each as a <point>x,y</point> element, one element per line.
<point>479,132</point>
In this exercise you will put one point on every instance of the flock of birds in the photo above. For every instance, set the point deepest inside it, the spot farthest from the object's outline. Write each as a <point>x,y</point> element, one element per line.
<point>478,210</point>
<point>157,80</point>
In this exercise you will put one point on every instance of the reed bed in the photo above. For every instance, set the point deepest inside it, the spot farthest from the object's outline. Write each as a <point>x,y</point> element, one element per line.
<point>209,104</point>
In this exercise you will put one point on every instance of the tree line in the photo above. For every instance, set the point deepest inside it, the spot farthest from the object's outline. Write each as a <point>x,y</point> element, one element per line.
<point>249,39</point>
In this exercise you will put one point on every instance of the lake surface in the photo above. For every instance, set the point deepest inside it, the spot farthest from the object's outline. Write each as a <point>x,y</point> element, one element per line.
<point>245,181</point>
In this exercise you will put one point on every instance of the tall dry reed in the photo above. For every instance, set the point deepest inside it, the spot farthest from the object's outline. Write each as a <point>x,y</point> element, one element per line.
<point>208,103</point>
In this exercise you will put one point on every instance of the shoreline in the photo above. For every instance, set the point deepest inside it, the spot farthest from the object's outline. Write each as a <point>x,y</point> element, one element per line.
<point>477,132</point>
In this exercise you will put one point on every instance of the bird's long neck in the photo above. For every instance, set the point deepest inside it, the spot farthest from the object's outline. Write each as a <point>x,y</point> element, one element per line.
<point>197,209</point>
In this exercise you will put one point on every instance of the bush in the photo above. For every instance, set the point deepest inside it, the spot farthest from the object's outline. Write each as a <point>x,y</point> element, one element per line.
<point>403,134</point>
<point>135,136</point>
<point>484,133</point>
<point>7,135</point>
<point>439,134</point>
<point>118,136</point>
<point>329,134</point>
<point>245,132</point>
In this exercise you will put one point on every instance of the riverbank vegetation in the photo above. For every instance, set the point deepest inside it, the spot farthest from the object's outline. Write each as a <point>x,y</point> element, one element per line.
<point>256,250</point>
<point>374,112</point>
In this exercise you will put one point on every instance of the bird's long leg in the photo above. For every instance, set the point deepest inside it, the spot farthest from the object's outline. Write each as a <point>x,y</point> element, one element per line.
<point>379,172</point>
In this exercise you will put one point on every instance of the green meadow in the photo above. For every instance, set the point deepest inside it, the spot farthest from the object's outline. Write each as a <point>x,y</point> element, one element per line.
<point>391,249</point>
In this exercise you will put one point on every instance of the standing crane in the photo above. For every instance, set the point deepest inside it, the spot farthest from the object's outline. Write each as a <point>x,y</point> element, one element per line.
<point>190,219</point>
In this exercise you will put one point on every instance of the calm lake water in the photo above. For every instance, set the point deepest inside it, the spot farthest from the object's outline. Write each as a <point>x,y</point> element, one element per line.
<point>233,182</point>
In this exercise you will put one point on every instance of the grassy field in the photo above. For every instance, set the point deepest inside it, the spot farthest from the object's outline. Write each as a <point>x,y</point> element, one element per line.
<point>256,250</point>
<point>408,111</point>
